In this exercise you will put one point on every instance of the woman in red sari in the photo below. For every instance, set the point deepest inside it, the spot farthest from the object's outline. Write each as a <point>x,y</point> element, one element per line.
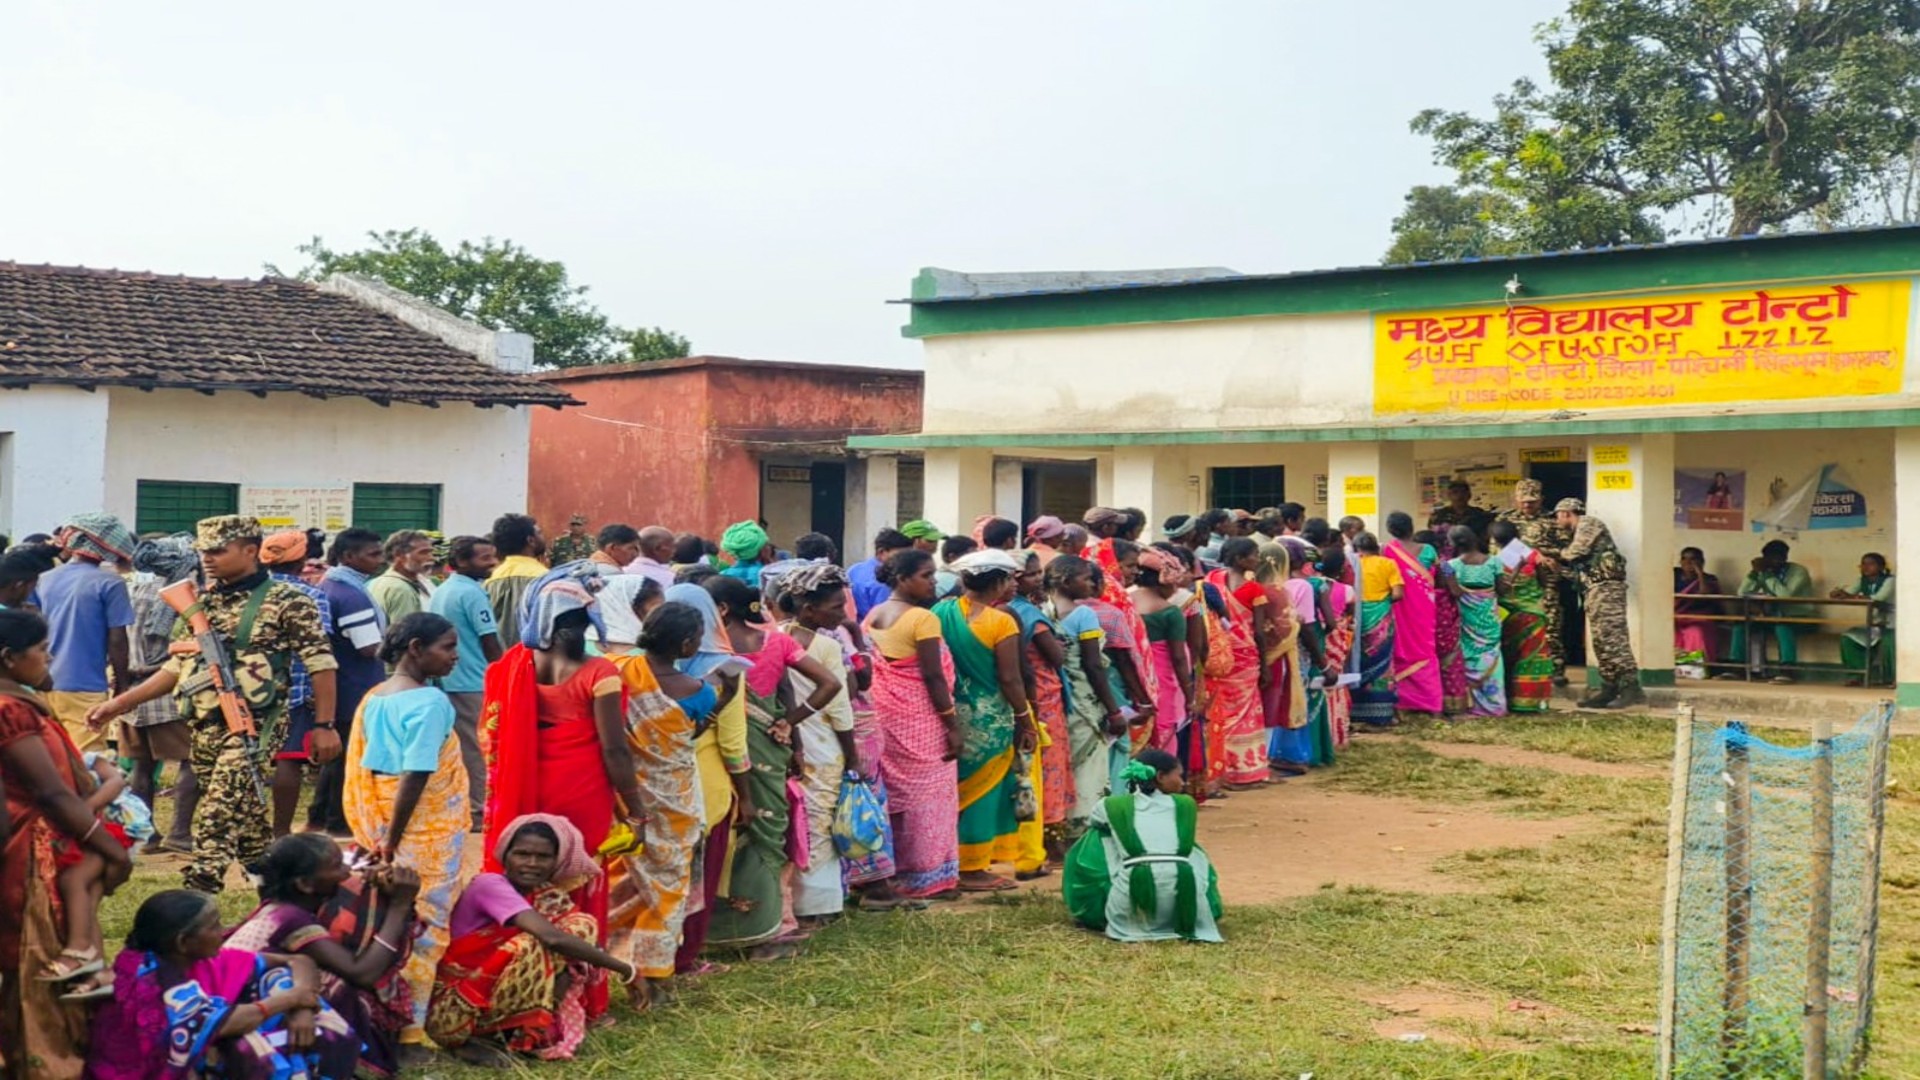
<point>1236,707</point>
<point>554,729</point>
<point>40,1036</point>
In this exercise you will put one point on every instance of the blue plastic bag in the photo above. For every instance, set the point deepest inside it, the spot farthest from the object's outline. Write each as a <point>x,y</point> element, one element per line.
<point>859,825</point>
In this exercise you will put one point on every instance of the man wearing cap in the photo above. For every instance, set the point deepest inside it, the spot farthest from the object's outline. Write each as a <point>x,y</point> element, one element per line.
<point>575,544</point>
<point>925,534</point>
<point>266,625</point>
<point>1543,534</point>
<point>88,610</point>
<point>1603,571</point>
<point>1044,536</point>
<point>284,554</point>
<point>746,545</point>
<point>1459,510</point>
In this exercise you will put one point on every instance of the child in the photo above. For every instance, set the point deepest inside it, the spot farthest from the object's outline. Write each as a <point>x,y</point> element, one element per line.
<point>120,810</point>
<point>1138,873</point>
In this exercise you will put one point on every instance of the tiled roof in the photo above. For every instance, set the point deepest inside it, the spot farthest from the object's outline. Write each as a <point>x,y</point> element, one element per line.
<point>78,327</point>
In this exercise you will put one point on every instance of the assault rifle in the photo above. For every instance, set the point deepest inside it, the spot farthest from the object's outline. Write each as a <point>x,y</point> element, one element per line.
<point>184,598</point>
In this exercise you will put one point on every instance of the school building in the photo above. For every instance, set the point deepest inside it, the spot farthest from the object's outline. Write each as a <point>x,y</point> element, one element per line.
<point>1714,394</point>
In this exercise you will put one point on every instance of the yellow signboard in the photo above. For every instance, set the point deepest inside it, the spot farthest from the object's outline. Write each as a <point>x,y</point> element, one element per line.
<point>1613,480</point>
<point>1357,485</point>
<point>1362,504</point>
<point>1609,455</point>
<point>1782,342</point>
<point>1546,454</point>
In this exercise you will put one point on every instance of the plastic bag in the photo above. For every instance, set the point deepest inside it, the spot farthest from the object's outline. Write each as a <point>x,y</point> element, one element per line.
<point>859,825</point>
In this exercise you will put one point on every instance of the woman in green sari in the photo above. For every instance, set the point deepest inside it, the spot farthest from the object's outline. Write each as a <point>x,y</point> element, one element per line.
<point>990,697</point>
<point>752,914</point>
<point>1138,874</point>
<point>1523,630</point>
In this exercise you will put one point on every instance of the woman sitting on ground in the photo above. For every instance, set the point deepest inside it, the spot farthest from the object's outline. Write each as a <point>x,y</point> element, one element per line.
<point>516,975</point>
<point>186,1005</point>
<point>1138,874</point>
<point>357,928</point>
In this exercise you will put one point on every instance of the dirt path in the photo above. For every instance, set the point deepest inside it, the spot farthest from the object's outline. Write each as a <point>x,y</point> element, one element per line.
<point>1498,754</point>
<point>1290,839</point>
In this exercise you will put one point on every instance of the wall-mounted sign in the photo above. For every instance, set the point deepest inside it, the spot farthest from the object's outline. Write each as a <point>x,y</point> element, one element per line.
<point>328,508</point>
<point>1793,341</point>
<point>789,474</point>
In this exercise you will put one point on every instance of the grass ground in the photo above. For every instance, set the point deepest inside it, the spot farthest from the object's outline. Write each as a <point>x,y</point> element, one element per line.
<point>1568,932</point>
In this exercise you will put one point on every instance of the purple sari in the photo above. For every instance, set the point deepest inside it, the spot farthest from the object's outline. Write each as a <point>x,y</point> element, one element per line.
<point>160,1024</point>
<point>1416,656</point>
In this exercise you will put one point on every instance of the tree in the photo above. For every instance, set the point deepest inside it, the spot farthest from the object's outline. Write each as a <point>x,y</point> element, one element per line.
<point>501,286</point>
<point>1444,222</point>
<point>1703,116</point>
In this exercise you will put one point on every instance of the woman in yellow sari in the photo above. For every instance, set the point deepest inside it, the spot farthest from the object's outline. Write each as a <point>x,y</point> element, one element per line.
<point>405,793</point>
<point>651,888</point>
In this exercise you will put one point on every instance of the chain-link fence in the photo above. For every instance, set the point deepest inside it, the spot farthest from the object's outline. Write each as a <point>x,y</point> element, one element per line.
<point>1773,874</point>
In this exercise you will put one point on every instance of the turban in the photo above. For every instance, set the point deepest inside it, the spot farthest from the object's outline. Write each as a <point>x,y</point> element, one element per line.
<point>922,529</point>
<point>984,560</point>
<point>100,536</point>
<point>744,540</point>
<point>1102,516</point>
<point>565,588</point>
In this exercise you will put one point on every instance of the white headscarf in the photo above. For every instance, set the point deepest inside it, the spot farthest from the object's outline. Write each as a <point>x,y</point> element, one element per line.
<point>616,609</point>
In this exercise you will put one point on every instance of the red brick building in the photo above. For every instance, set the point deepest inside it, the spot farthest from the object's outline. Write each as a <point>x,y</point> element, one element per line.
<point>706,441</point>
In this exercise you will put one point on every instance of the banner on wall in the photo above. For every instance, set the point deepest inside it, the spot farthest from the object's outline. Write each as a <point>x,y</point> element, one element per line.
<point>326,508</point>
<point>1815,340</point>
<point>1710,499</point>
<point>1825,499</point>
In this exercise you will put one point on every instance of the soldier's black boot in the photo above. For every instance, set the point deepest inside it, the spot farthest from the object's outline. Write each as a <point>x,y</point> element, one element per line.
<point>1629,696</point>
<point>1599,697</point>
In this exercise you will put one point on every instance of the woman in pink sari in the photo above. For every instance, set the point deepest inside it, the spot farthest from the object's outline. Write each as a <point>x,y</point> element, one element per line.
<point>1416,657</point>
<point>1695,640</point>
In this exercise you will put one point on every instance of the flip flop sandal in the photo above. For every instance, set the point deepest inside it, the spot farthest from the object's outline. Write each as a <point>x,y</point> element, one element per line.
<point>99,991</point>
<point>999,885</point>
<point>90,964</point>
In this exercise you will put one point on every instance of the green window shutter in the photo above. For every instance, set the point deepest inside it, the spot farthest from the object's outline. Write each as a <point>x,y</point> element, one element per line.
<point>175,506</point>
<point>1249,488</point>
<point>388,508</point>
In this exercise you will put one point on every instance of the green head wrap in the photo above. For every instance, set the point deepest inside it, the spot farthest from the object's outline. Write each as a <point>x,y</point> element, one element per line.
<point>922,529</point>
<point>1138,770</point>
<point>744,540</point>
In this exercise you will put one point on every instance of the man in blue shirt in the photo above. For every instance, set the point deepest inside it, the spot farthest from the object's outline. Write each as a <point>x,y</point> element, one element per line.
<point>461,601</point>
<point>284,554</point>
<point>88,610</point>
<point>358,624</point>
<point>864,576</point>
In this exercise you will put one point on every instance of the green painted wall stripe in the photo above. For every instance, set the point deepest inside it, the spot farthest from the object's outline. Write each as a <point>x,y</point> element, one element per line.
<point>1825,256</point>
<point>1585,426</point>
<point>1662,677</point>
<point>1907,695</point>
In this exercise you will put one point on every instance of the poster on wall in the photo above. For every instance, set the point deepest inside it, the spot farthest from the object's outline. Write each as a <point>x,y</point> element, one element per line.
<point>1824,499</point>
<point>328,508</point>
<point>1710,499</point>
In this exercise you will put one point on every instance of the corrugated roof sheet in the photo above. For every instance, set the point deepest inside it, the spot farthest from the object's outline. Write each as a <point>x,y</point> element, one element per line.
<point>999,286</point>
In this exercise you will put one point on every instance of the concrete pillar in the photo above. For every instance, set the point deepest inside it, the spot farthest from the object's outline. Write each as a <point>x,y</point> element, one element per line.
<point>1370,480</point>
<point>1009,490</point>
<point>1630,487</point>
<point>1153,480</point>
<point>1906,553</point>
<point>1103,480</point>
<point>959,487</point>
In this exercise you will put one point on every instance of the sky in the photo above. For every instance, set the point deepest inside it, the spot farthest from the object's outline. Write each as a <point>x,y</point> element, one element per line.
<point>760,177</point>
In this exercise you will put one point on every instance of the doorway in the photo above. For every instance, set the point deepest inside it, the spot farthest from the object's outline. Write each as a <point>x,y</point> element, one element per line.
<point>829,480</point>
<point>1566,480</point>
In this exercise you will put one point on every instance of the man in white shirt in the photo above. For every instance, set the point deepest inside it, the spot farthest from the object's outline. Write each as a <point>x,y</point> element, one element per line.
<point>656,553</point>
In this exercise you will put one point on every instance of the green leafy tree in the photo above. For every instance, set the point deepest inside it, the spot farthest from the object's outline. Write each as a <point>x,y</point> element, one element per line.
<point>499,285</point>
<point>1721,117</point>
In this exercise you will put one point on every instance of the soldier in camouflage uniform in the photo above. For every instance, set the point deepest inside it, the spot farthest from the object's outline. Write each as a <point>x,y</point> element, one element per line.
<point>577,543</point>
<point>1603,571</point>
<point>265,625</point>
<point>1539,531</point>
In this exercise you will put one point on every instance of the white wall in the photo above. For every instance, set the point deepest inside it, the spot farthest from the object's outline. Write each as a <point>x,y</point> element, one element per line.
<point>53,457</point>
<point>478,456</point>
<point>1266,372</point>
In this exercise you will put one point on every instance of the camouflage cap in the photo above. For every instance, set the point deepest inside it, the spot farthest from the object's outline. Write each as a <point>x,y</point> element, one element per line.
<point>1570,506</point>
<point>1528,489</point>
<point>577,519</point>
<point>217,532</point>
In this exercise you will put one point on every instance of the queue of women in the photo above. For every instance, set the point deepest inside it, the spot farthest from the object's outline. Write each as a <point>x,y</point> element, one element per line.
<point>686,777</point>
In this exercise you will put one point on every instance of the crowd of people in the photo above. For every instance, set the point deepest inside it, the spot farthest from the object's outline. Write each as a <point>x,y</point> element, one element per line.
<point>673,752</point>
<point>1708,636</point>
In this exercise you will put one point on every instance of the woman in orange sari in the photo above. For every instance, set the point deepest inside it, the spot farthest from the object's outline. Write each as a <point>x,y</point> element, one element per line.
<point>554,729</point>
